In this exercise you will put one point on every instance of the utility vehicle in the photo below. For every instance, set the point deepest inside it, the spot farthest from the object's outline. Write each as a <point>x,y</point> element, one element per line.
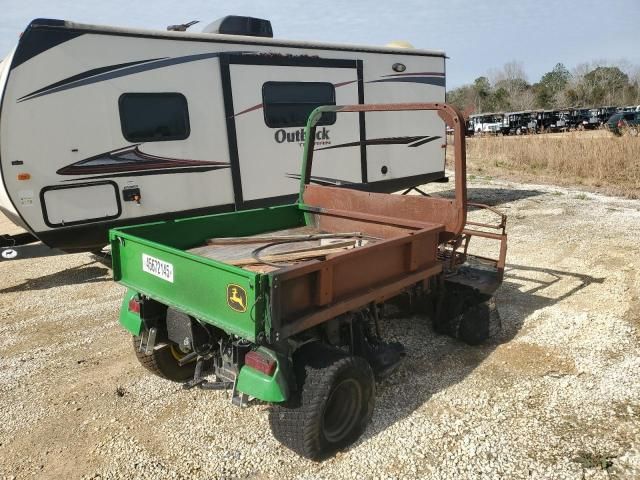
<point>282,304</point>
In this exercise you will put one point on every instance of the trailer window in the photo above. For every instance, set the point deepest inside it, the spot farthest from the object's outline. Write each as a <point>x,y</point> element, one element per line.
<point>154,117</point>
<point>288,104</point>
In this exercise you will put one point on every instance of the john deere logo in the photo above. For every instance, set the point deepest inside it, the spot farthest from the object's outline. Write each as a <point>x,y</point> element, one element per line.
<point>236,298</point>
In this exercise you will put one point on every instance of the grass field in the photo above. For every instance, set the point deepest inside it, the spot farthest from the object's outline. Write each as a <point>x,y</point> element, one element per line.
<point>592,159</point>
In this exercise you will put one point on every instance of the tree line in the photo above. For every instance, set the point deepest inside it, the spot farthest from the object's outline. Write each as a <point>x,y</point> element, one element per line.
<point>587,85</point>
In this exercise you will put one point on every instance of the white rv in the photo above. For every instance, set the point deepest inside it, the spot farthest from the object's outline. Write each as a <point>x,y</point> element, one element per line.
<point>104,126</point>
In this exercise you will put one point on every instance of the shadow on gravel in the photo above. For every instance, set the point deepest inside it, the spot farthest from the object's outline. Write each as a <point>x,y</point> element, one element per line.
<point>86,273</point>
<point>435,362</point>
<point>493,196</point>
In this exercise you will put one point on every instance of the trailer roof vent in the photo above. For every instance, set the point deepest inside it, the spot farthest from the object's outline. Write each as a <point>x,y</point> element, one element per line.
<point>236,25</point>
<point>399,44</point>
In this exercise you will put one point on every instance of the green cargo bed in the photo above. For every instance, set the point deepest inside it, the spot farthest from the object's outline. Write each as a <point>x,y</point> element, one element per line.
<point>153,259</point>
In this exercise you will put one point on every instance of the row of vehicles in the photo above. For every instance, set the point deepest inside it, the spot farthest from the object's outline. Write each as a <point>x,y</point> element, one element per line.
<point>542,121</point>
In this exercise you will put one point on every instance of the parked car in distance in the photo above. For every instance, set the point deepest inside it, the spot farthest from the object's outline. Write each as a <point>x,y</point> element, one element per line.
<point>624,123</point>
<point>487,123</point>
<point>519,123</point>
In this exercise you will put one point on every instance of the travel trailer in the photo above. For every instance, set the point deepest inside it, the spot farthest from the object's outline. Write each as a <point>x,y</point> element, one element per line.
<point>103,126</point>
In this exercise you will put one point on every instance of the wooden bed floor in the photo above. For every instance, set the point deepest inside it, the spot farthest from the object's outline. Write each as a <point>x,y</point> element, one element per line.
<point>240,252</point>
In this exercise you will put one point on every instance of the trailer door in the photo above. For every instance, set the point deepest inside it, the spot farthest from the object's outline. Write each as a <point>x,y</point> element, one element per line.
<point>267,101</point>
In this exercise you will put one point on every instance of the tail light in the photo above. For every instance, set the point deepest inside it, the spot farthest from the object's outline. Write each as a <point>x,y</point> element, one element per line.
<point>620,124</point>
<point>134,305</point>
<point>261,362</point>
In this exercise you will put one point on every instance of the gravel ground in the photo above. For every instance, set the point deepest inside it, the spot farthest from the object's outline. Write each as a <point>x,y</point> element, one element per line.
<point>556,396</point>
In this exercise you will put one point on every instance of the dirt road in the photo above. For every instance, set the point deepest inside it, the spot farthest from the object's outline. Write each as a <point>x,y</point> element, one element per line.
<point>557,395</point>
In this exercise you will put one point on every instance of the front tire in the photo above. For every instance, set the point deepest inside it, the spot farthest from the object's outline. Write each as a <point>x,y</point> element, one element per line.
<point>163,362</point>
<point>467,315</point>
<point>333,405</point>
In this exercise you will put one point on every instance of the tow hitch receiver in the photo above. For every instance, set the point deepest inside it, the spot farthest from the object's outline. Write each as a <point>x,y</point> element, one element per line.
<point>226,365</point>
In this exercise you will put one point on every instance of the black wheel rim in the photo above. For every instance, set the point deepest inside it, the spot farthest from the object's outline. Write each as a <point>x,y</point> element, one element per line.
<point>342,410</point>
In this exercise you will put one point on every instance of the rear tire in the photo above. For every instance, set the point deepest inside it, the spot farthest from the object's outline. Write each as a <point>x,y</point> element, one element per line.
<point>163,362</point>
<point>333,405</point>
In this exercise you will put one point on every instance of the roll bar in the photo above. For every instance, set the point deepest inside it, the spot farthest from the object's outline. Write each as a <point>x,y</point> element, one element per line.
<point>451,116</point>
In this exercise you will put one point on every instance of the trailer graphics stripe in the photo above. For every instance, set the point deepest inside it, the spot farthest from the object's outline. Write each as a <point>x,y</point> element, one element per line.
<point>87,74</point>
<point>436,81</point>
<point>408,74</point>
<point>132,159</point>
<point>429,78</point>
<point>116,71</point>
<point>413,141</point>
<point>321,180</point>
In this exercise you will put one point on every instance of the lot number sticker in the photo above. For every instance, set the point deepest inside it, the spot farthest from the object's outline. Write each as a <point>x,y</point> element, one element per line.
<point>160,269</point>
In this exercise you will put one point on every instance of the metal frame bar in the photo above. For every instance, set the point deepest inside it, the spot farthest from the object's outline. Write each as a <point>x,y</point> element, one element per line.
<point>451,116</point>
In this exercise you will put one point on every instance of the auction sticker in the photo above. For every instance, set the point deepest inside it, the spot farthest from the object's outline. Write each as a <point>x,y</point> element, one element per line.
<point>160,269</point>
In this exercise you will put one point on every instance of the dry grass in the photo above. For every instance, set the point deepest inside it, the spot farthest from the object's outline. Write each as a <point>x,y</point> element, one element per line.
<point>593,159</point>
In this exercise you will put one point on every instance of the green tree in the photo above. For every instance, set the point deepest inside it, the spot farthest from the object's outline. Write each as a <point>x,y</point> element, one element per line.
<point>482,91</point>
<point>557,79</point>
<point>550,87</point>
<point>606,85</point>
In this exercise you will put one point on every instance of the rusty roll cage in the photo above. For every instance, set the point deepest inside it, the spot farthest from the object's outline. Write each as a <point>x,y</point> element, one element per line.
<point>454,120</point>
<point>451,116</point>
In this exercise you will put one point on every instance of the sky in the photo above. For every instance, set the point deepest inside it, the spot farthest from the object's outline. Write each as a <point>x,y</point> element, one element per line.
<point>478,36</point>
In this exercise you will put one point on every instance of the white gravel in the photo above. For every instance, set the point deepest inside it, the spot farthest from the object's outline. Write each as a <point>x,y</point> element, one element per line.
<point>556,396</point>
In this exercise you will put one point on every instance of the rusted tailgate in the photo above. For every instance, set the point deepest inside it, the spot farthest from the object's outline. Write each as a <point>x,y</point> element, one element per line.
<point>307,295</point>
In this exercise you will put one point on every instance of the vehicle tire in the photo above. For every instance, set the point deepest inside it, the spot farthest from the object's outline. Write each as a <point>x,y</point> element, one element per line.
<point>163,362</point>
<point>333,405</point>
<point>479,323</point>
<point>518,131</point>
<point>467,315</point>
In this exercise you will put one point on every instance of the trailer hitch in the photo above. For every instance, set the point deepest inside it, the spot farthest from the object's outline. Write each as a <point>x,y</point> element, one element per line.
<point>226,370</point>
<point>198,379</point>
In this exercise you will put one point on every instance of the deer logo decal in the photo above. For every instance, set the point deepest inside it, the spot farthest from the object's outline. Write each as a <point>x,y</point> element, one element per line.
<point>236,298</point>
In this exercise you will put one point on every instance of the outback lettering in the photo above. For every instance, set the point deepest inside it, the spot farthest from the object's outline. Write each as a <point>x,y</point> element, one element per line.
<point>282,136</point>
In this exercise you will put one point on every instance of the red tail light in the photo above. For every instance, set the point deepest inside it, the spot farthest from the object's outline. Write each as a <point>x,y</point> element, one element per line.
<point>620,124</point>
<point>134,305</point>
<point>262,363</point>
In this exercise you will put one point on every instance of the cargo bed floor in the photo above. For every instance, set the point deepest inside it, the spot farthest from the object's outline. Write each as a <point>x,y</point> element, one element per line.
<point>240,254</point>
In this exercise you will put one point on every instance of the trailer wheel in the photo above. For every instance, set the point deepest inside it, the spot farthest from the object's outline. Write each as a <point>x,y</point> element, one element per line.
<point>163,362</point>
<point>333,405</point>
